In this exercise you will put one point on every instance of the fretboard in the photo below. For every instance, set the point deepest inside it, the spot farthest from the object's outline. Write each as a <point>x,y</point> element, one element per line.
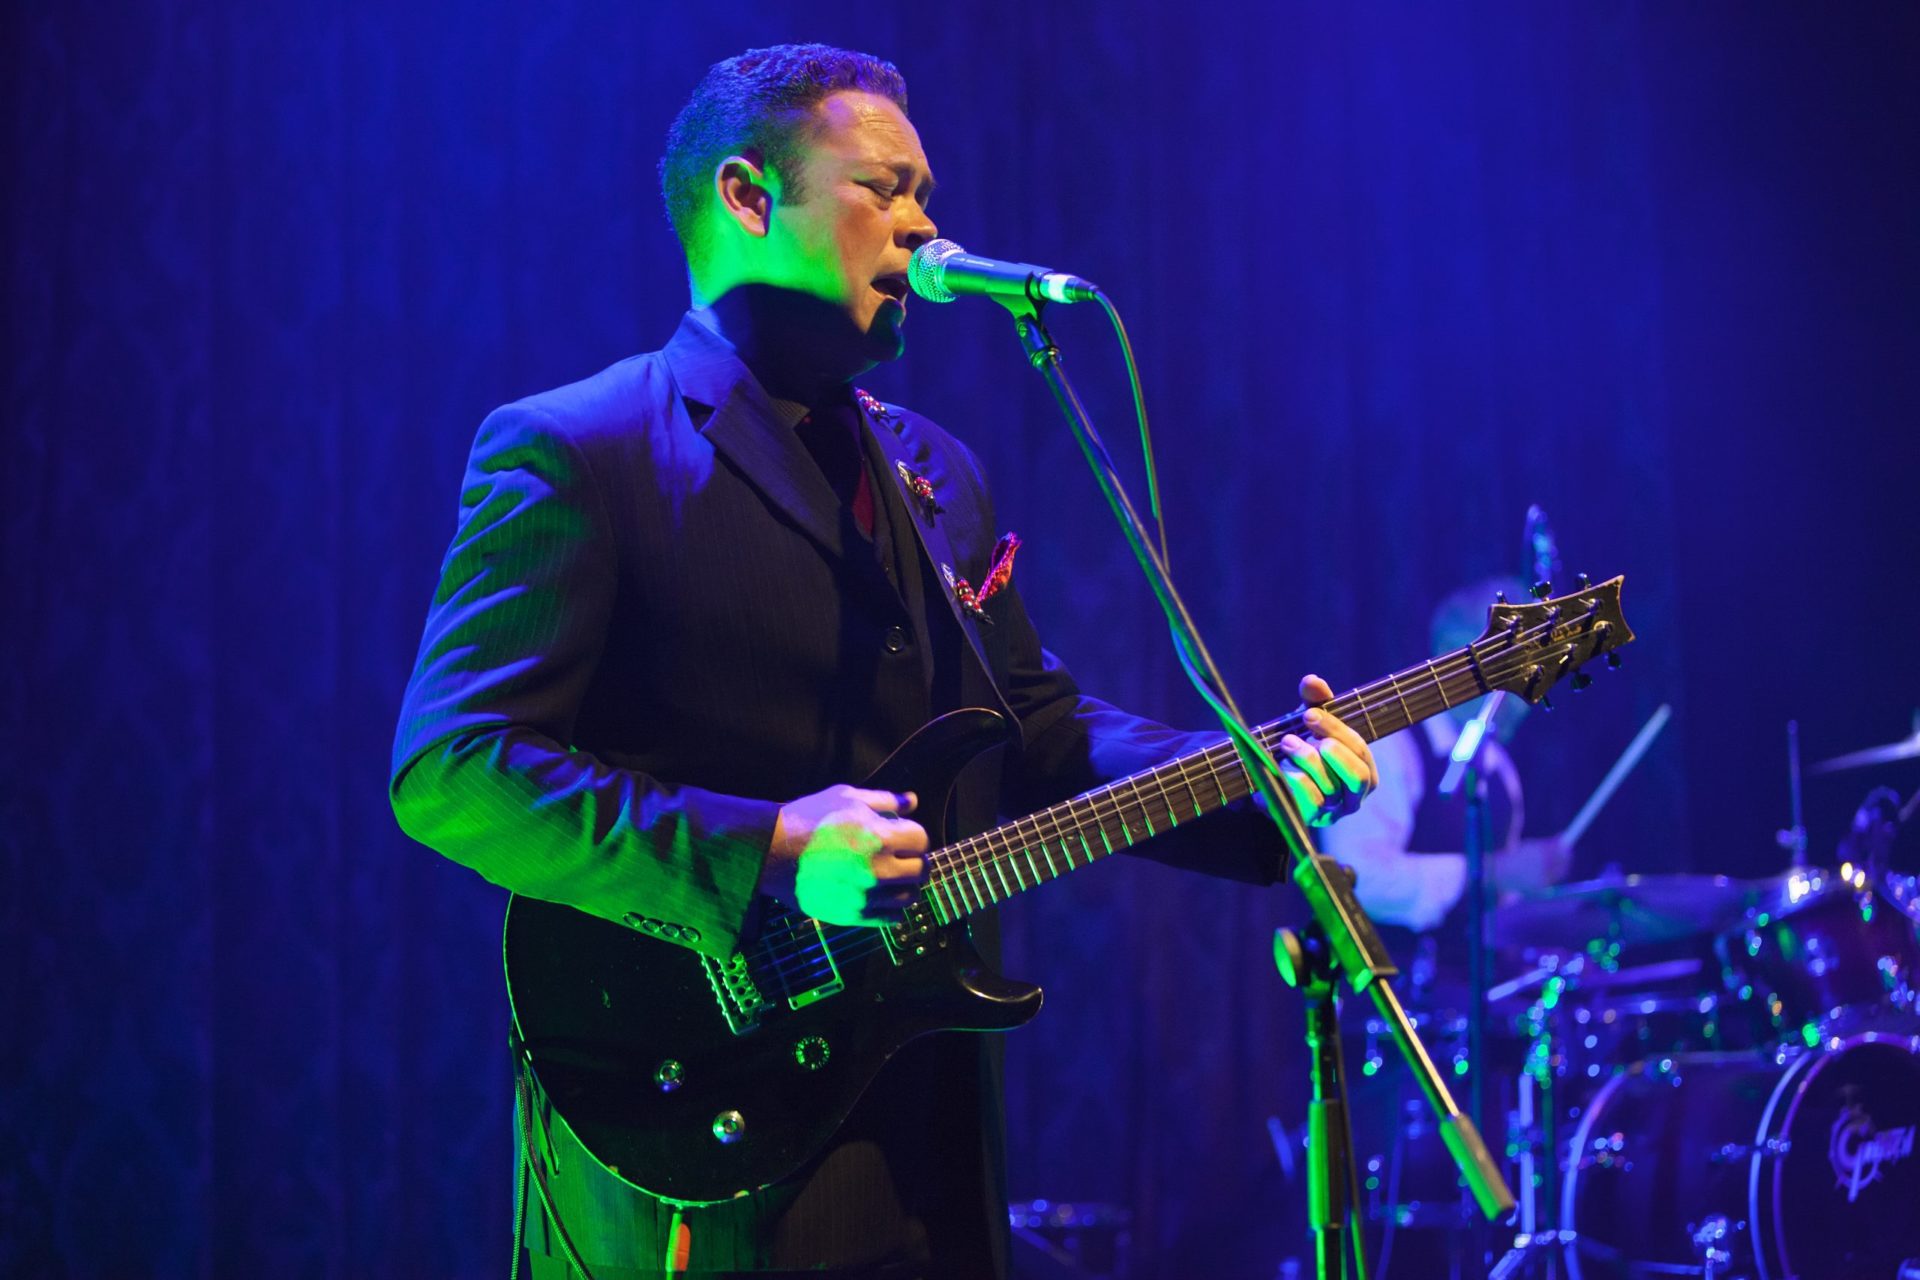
<point>993,866</point>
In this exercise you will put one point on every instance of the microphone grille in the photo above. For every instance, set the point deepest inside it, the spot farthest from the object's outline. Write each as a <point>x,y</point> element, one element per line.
<point>926,273</point>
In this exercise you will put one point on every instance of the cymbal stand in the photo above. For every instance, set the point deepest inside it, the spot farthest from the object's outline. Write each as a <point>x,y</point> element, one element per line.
<point>1794,838</point>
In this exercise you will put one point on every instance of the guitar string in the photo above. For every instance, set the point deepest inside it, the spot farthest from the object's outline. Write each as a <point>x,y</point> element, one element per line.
<point>959,856</point>
<point>868,939</point>
<point>815,951</point>
<point>951,868</point>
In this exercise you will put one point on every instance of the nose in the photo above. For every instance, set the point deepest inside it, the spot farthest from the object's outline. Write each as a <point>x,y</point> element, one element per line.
<point>918,229</point>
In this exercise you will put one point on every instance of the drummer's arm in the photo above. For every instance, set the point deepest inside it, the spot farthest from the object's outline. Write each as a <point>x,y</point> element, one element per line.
<point>1396,885</point>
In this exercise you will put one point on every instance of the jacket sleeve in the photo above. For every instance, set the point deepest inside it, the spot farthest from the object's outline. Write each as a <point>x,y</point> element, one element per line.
<point>484,769</point>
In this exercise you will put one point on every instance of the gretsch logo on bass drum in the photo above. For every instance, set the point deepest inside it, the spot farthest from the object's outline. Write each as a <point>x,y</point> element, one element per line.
<point>1857,1153</point>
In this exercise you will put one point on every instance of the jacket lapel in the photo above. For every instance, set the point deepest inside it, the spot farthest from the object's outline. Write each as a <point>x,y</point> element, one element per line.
<point>744,428</point>
<point>934,543</point>
<point>774,461</point>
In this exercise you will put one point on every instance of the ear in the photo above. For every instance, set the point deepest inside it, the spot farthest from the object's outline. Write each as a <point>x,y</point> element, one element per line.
<point>747,193</point>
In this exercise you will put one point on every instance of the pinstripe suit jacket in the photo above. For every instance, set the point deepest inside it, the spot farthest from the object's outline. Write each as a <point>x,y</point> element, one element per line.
<point>656,623</point>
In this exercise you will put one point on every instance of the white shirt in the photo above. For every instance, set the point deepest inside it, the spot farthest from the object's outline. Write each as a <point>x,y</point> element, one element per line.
<point>1398,885</point>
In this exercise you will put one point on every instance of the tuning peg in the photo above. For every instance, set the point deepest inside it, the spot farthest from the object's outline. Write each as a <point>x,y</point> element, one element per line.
<point>1499,597</point>
<point>1546,703</point>
<point>1580,681</point>
<point>1613,662</point>
<point>1582,582</point>
<point>1540,590</point>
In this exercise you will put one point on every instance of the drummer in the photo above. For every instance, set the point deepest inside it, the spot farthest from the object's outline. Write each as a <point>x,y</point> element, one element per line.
<point>1406,842</point>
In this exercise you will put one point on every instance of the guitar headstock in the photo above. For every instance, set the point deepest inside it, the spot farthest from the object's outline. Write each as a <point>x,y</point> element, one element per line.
<point>1529,648</point>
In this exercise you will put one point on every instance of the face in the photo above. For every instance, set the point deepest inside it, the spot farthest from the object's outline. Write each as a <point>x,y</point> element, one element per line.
<point>862,213</point>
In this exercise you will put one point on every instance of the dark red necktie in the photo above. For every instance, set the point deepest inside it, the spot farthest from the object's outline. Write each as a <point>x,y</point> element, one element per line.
<point>832,435</point>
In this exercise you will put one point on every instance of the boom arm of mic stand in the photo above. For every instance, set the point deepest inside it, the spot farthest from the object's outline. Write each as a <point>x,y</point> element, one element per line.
<point>1356,946</point>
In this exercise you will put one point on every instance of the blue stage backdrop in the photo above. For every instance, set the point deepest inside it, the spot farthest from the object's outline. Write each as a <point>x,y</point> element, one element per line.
<point>1394,273</point>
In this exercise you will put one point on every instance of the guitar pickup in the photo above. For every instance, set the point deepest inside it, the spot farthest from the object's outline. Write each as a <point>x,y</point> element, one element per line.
<point>833,983</point>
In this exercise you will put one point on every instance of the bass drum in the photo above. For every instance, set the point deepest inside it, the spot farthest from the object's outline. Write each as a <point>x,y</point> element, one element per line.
<point>1803,1168</point>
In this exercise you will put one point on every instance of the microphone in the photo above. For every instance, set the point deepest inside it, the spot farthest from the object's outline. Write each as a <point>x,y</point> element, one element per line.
<point>941,271</point>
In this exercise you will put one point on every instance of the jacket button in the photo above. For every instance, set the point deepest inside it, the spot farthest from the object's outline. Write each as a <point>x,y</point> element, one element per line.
<point>895,640</point>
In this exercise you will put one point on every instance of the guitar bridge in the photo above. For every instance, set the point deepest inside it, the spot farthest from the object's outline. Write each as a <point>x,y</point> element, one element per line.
<point>740,1000</point>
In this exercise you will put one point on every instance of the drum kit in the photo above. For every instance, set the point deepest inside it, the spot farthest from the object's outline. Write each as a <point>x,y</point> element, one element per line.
<point>1701,1076</point>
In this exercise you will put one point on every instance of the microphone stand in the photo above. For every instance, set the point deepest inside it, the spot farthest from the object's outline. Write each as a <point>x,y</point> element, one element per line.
<point>1464,774</point>
<point>1352,945</point>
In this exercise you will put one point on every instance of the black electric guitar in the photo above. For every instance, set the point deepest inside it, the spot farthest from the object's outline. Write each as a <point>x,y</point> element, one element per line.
<point>695,1079</point>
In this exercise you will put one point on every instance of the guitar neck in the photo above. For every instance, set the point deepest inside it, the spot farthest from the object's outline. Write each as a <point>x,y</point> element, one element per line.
<point>991,867</point>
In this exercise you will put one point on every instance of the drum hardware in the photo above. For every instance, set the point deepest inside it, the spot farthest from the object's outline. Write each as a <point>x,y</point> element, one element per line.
<point>1819,949</point>
<point>1794,838</point>
<point>1710,1245</point>
<point>1625,911</point>
<point>1807,1157</point>
<point>1908,748</point>
<point>1077,1239</point>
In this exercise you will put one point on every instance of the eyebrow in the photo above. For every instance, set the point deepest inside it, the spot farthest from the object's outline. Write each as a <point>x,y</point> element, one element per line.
<point>902,169</point>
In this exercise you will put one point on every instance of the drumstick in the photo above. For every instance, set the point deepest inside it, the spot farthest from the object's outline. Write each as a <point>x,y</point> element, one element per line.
<point>1615,776</point>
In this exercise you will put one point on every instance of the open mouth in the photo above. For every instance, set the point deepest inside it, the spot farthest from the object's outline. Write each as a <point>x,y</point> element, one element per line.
<point>893,286</point>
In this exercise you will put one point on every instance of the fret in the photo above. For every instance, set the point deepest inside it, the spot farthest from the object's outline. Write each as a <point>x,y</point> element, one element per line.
<point>958,894</point>
<point>1439,684</point>
<point>997,856</point>
<point>1018,883</point>
<point>969,895</point>
<point>1037,877</point>
<point>973,882</point>
<point>942,907</point>
<point>1050,867</point>
<point>1218,785</point>
<point>1140,803</point>
<point>1117,813</point>
<point>969,891</point>
<point>1393,683</point>
<point>998,870</point>
<point>1039,833</point>
<point>987,880</point>
<point>1193,797</point>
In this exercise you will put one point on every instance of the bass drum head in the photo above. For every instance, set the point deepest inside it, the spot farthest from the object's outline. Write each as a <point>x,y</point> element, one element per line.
<point>1804,1171</point>
<point>1843,1198</point>
<point>1661,1151</point>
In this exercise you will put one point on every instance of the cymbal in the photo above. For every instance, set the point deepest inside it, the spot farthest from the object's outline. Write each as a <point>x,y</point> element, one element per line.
<point>1905,749</point>
<point>1631,910</point>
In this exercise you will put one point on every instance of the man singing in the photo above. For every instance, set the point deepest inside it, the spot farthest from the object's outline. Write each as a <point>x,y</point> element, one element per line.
<point>693,597</point>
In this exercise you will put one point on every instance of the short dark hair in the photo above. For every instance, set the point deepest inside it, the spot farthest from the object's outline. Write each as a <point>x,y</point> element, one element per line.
<point>759,102</point>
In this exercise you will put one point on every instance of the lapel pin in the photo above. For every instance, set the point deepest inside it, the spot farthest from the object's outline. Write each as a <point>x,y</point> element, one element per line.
<point>920,487</point>
<point>975,601</point>
<point>881,415</point>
